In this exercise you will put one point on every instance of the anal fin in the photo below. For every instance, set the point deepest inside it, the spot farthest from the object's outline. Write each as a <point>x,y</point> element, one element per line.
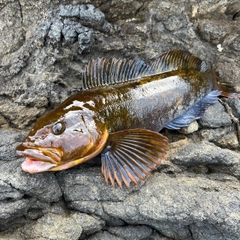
<point>130,155</point>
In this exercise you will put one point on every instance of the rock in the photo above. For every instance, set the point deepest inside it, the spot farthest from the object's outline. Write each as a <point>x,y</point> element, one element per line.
<point>159,204</point>
<point>193,127</point>
<point>215,116</point>
<point>131,232</point>
<point>234,103</point>
<point>44,46</point>
<point>58,224</point>
<point>212,31</point>
<point>104,235</point>
<point>205,153</point>
<point>223,137</point>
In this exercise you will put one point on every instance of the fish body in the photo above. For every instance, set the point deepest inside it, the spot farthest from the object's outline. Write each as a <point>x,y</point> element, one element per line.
<point>119,113</point>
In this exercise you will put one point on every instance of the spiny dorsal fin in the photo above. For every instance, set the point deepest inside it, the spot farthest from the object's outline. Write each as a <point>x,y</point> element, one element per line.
<point>177,59</point>
<point>104,72</point>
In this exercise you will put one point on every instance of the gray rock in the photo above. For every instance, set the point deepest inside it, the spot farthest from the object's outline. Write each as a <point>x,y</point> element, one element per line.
<point>234,103</point>
<point>104,235</point>
<point>212,31</point>
<point>55,32</point>
<point>131,232</point>
<point>89,13</point>
<point>44,186</point>
<point>70,30</point>
<point>68,11</point>
<point>10,139</point>
<point>85,39</point>
<point>205,153</point>
<point>58,224</point>
<point>44,46</point>
<point>183,207</point>
<point>215,116</point>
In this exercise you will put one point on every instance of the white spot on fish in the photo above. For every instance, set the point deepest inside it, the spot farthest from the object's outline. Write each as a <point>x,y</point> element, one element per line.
<point>79,104</point>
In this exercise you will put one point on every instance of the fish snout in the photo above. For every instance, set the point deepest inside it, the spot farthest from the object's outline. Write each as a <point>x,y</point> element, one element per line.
<point>39,159</point>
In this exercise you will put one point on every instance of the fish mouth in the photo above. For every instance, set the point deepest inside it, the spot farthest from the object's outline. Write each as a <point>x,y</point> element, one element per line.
<point>39,159</point>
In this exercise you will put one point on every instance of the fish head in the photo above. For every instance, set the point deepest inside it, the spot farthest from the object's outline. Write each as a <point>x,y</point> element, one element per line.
<point>61,141</point>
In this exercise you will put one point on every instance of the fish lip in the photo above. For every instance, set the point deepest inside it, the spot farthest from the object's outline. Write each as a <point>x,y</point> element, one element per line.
<point>39,159</point>
<point>32,166</point>
<point>51,155</point>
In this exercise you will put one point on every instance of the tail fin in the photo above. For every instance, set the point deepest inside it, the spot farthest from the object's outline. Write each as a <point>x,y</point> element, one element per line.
<point>226,89</point>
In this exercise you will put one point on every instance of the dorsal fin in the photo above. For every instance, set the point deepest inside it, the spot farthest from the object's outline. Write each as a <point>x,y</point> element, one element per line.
<point>104,72</point>
<point>177,59</point>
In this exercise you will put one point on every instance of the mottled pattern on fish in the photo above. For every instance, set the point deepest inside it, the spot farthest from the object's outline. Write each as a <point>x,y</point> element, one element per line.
<point>123,106</point>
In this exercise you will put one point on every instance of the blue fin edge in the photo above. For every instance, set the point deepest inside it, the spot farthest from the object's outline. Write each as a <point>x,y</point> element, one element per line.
<point>195,112</point>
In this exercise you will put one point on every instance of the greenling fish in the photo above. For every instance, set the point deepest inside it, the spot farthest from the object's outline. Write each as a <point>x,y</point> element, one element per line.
<point>123,106</point>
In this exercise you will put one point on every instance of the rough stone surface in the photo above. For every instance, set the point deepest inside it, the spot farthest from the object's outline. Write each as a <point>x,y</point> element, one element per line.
<point>194,194</point>
<point>216,116</point>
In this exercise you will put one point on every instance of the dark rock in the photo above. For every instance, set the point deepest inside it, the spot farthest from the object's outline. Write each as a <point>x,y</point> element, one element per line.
<point>215,116</point>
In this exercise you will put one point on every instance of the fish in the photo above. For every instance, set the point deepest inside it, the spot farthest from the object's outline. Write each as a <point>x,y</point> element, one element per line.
<point>123,106</point>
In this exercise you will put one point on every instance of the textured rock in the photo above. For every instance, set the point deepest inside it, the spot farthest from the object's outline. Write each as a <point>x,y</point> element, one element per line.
<point>44,45</point>
<point>216,116</point>
<point>58,223</point>
<point>159,203</point>
<point>131,232</point>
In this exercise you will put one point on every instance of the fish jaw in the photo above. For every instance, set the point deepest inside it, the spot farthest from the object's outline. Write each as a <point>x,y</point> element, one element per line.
<point>30,165</point>
<point>40,159</point>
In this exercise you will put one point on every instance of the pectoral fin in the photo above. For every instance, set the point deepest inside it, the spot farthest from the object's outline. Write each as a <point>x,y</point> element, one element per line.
<point>131,155</point>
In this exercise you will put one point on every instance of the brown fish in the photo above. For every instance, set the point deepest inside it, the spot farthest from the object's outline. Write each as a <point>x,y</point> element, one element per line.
<point>119,113</point>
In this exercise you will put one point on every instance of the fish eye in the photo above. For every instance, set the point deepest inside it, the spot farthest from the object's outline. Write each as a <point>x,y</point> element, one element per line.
<point>58,128</point>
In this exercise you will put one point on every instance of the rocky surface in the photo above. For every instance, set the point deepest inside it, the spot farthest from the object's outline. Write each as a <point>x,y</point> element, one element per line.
<point>194,194</point>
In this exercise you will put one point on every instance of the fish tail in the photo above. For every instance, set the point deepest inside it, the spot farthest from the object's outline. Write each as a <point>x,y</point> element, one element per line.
<point>226,89</point>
